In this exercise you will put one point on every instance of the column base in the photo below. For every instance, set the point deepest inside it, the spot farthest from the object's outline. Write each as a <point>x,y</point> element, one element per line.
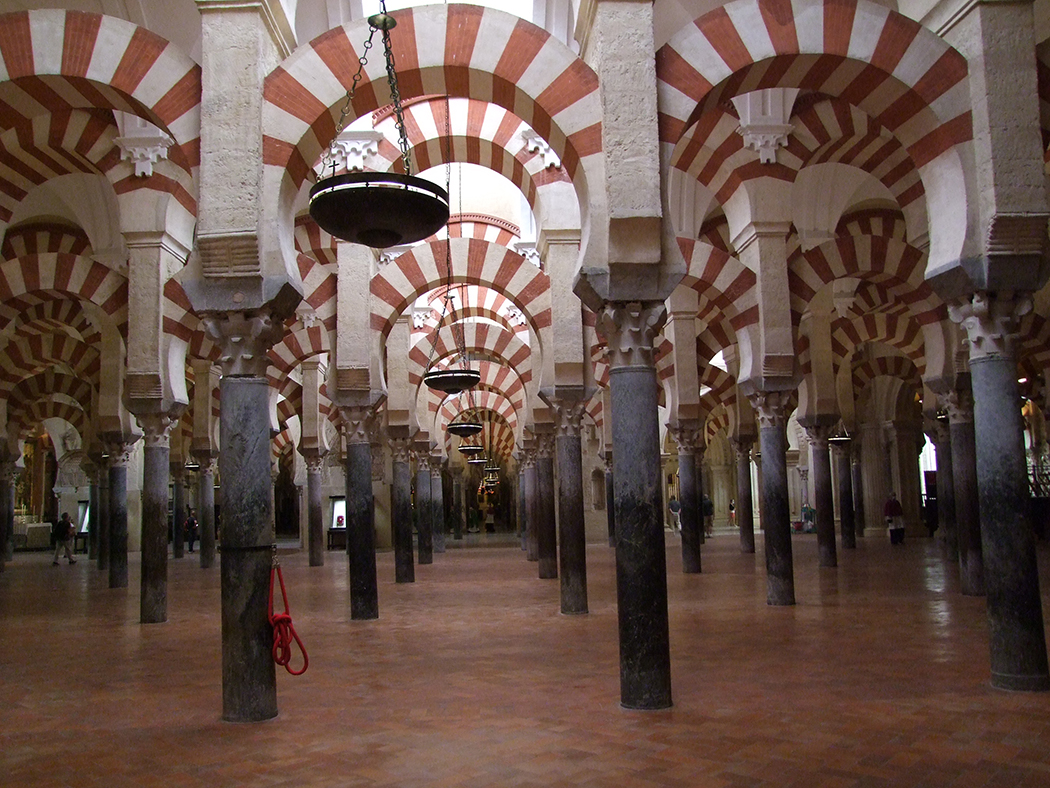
<point>1036,683</point>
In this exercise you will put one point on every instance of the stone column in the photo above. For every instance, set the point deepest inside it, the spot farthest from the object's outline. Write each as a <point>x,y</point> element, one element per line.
<point>531,509</point>
<point>315,508</point>
<point>424,530</point>
<point>249,684</point>
<point>401,510</point>
<point>546,526</point>
<point>458,509</point>
<point>641,566</point>
<point>687,438</point>
<point>967,504</point>
<point>572,536</point>
<point>7,511</point>
<point>153,586</point>
<point>1017,639</point>
<point>844,472</point>
<point>119,457</point>
<point>770,407</point>
<point>177,474</point>
<point>437,506</point>
<point>206,507</point>
<point>358,422</point>
<point>610,499</point>
<point>856,473</point>
<point>745,507</point>
<point>940,432</point>
<point>822,493</point>
<point>103,513</point>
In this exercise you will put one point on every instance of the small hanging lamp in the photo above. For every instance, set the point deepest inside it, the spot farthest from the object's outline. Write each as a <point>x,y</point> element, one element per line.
<point>466,423</point>
<point>373,208</point>
<point>471,449</point>
<point>458,375</point>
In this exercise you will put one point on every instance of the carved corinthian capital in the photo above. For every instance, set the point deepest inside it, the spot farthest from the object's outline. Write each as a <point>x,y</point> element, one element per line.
<point>629,328</point>
<point>358,422</point>
<point>770,407</point>
<point>401,449</point>
<point>991,322</point>
<point>568,416</point>
<point>960,406</point>
<point>244,340</point>
<point>687,438</point>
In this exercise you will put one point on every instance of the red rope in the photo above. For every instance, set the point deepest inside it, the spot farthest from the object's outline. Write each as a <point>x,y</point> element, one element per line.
<point>283,630</point>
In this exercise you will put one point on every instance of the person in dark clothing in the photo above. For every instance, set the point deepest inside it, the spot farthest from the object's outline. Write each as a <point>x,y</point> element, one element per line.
<point>191,526</point>
<point>894,515</point>
<point>62,533</point>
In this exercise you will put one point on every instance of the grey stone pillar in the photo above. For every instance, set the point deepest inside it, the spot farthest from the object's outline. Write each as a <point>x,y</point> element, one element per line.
<point>641,566</point>
<point>358,422</point>
<point>437,506</point>
<point>572,537</point>
<point>153,581</point>
<point>103,513</point>
<point>967,504</point>
<point>770,407</point>
<point>401,510</point>
<point>424,529</point>
<point>745,507</point>
<point>940,433</point>
<point>206,508</point>
<point>843,470</point>
<point>315,541</point>
<point>93,511</point>
<point>825,501</point>
<point>687,438</point>
<point>531,514</point>
<point>610,499</point>
<point>119,457</point>
<point>249,683</point>
<point>546,525</point>
<point>459,510</point>
<point>1017,639</point>
<point>857,474</point>
<point>7,511</point>
<point>178,511</point>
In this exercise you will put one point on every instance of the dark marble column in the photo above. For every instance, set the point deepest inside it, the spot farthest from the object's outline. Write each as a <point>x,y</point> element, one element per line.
<point>843,470</point>
<point>358,422</point>
<point>546,525</point>
<point>745,506</point>
<point>459,511</point>
<point>93,511</point>
<point>249,683</point>
<point>770,406</point>
<point>857,472</point>
<point>572,537</point>
<point>315,541</point>
<point>119,457</point>
<point>401,510</point>
<point>178,511</point>
<point>825,501</point>
<point>641,566</point>
<point>687,438</point>
<point>1016,632</point>
<point>103,513</point>
<point>610,499</point>
<point>531,513</point>
<point>967,505</point>
<point>437,506</point>
<point>7,511</point>
<point>206,507</point>
<point>940,432</point>
<point>424,529</point>
<point>520,492</point>
<point>153,585</point>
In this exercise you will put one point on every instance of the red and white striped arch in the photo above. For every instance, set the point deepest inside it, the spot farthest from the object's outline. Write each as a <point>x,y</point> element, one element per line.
<point>482,340</point>
<point>50,382</point>
<point>725,285</point>
<point>471,301</point>
<point>41,237</point>
<point>485,228</point>
<point>897,266</point>
<point>53,60</point>
<point>297,346</point>
<point>312,240</point>
<point>902,333</point>
<point>535,77</point>
<point>62,315</point>
<point>29,280</point>
<point>890,366</point>
<point>25,418</point>
<point>873,221</point>
<point>487,401</point>
<point>319,289</point>
<point>421,269</point>
<point>25,356</point>
<point>900,74</point>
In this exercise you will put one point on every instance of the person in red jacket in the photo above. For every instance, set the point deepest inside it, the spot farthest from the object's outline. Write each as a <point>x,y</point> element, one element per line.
<point>894,515</point>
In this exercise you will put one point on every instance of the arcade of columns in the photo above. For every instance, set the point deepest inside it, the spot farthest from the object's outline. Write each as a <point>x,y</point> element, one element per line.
<point>777,242</point>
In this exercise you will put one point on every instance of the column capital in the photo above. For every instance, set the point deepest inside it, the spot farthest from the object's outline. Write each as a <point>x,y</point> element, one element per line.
<point>818,435</point>
<point>568,416</point>
<point>401,448</point>
<point>742,445</point>
<point>436,461</point>
<point>243,338</point>
<point>544,445</point>
<point>770,407</point>
<point>359,423</point>
<point>688,438</point>
<point>314,461</point>
<point>629,329</point>
<point>8,471</point>
<point>991,321</point>
<point>156,428</point>
<point>119,454</point>
<point>960,406</point>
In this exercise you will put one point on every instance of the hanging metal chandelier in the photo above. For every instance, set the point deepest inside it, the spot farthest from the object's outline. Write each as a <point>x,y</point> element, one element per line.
<point>467,422</point>
<point>458,375</point>
<point>373,208</point>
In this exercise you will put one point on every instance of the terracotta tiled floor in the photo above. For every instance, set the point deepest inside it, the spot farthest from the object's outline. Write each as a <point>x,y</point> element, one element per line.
<point>471,677</point>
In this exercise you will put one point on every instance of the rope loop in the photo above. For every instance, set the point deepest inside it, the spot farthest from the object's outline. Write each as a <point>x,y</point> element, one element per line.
<point>283,629</point>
